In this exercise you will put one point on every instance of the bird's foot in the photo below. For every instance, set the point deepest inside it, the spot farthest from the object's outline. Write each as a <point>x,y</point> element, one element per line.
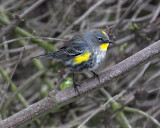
<point>75,85</point>
<point>96,76</point>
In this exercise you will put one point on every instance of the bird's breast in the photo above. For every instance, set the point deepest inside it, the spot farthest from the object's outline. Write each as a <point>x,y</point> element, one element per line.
<point>98,58</point>
<point>100,55</point>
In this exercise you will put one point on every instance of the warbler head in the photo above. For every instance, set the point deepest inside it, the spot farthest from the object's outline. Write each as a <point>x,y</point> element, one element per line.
<point>98,38</point>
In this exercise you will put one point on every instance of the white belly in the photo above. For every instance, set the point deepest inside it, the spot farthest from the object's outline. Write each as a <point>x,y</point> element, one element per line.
<point>99,59</point>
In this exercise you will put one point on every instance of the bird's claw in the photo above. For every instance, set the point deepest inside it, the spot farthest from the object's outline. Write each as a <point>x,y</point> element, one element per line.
<point>75,85</point>
<point>96,76</point>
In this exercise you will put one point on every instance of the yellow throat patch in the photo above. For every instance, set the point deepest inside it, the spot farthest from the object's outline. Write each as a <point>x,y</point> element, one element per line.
<point>104,46</point>
<point>82,58</point>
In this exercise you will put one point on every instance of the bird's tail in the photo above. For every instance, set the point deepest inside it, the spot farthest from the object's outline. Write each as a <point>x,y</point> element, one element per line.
<point>59,55</point>
<point>50,55</point>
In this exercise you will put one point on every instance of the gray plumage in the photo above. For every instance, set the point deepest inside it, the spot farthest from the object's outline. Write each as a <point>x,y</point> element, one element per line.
<point>89,41</point>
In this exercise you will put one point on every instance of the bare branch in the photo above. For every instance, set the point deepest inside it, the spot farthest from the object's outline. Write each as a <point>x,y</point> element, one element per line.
<point>124,15</point>
<point>80,19</point>
<point>16,21</point>
<point>156,13</point>
<point>26,38</point>
<point>139,75</point>
<point>6,88</point>
<point>143,114</point>
<point>101,108</point>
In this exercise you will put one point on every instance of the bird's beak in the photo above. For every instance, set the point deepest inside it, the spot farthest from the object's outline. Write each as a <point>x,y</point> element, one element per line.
<point>109,41</point>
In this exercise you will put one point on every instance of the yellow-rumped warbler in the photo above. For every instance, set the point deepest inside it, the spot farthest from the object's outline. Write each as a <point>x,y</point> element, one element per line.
<point>83,52</point>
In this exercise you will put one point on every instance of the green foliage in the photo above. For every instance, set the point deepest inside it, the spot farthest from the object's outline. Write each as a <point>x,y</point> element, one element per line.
<point>38,64</point>
<point>134,26</point>
<point>123,46</point>
<point>67,83</point>
<point>148,39</point>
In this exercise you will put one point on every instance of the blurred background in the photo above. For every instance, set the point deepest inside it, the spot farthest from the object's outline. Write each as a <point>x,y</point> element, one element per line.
<point>137,92</point>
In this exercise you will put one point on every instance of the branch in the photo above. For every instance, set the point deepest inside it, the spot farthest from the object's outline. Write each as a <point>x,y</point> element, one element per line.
<point>68,95</point>
<point>15,67</point>
<point>101,108</point>
<point>156,122</point>
<point>124,15</point>
<point>81,18</point>
<point>26,38</point>
<point>14,23</point>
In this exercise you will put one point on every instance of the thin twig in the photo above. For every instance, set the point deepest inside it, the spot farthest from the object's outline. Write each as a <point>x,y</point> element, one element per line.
<point>156,13</point>
<point>124,15</point>
<point>101,108</point>
<point>3,96</point>
<point>104,23</point>
<point>77,120</point>
<point>19,89</point>
<point>139,9</point>
<point>10,78</point>
<point>90,10</point>
<point>133,110</point>
<point>118,10</point>
<point>124,39</point>
<point>139,75</point>
<point>26,38</point>
<point>18,49</point>
<point>31,8</point>
<point>58,84</point>
<point>116,106</point>
<point>152,78</point>
<point>16,21</point>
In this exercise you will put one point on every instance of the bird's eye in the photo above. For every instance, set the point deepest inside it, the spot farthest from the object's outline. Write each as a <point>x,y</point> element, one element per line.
<point>100,39</point>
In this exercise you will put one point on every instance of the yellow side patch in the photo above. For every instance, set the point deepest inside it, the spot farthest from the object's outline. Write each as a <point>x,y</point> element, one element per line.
<point>104,32</point>
<point>104,46</point>
<point>82,58</point>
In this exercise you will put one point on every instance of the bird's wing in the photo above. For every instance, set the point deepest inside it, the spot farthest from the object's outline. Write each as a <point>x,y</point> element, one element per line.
<point>74,47</point>
<point>71,50</point>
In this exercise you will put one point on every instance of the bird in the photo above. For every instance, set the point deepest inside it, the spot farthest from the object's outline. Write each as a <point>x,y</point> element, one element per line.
<point>84,52</point>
